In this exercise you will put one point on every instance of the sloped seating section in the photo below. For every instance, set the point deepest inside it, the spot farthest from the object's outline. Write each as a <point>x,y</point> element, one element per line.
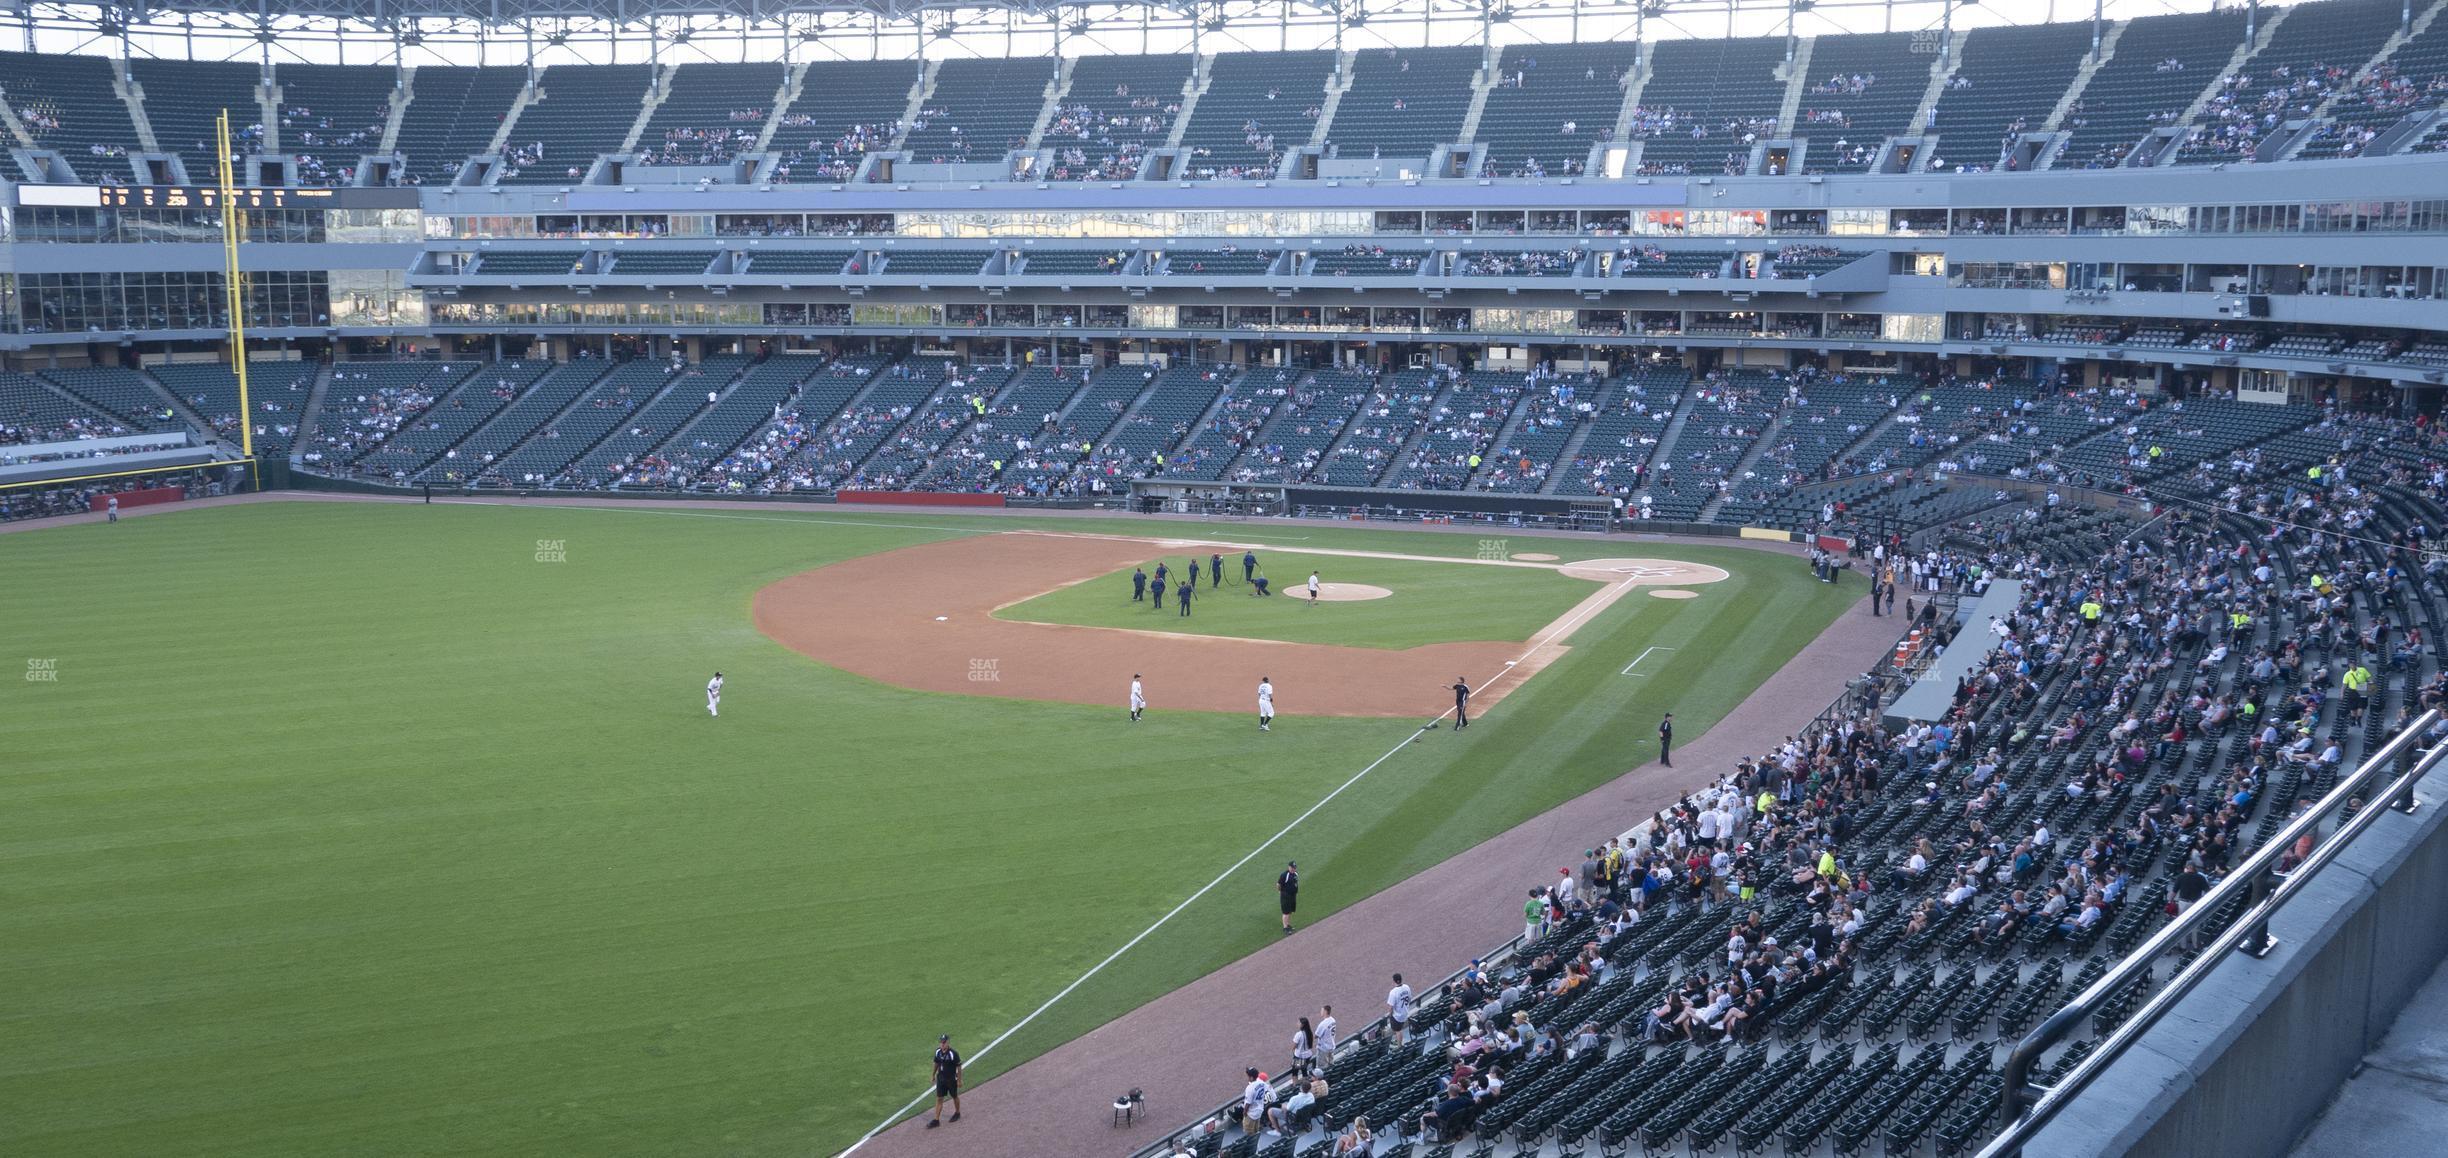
<point>1733,411</point>
<point>824,261</point>
<point>1312,415</point>
<point>2008,81</point>
<point>550,262</point>
<point>586,111</point>
<point>2161,64</point>
<point>32,412</point>
<point>1553,410</point>
<point>1825,415</point>
<point>276,393</point>
<point>830,455</point>
<point>1178,398</point>
<point>1402,102</point>
<point>453,114</point>
<point>1801,1005</point>
<point>627,455</point>
<point>1052,464</point>
<point>184,100</point>
<point>1459,432</point>
<point>845,110</point>
<point>1023,416</point>
<point>711,112</point>
<point>1861,90</point>
<point>121,393</point>
<point>1100,262</point>
<point>1247,406</point>
<point>2313,54</point>
<point>1228,262</point>
<point>547,449</point>
<point>332,114</point>
<point>368,402</point>
<point>761,434</point>
<point>2409,81</point>
<point>1654,261</point>
<point>1540,90</point>
<point>646,261</point>
<point>434,433</point>
<point>1366,261</point>
<point>964,398</point>
<point>1519,263</point>
<point>1706,102</point>
<point>479,454</point>
<point>67,104</point>
<point>1802,261</point>
<point>980,109</point>
<point>1624,435</point>
<point>1118,108</point>
<point>1257,107</point>
<point>1395,409</point>
<point>918,262</point>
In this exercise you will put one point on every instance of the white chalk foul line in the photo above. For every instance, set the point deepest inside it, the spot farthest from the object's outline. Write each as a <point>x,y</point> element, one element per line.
<point>1553,632</point>
<point>1636,660</point>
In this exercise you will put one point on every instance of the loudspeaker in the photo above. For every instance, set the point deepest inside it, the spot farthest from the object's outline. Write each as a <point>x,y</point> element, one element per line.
<point>2257,305</point>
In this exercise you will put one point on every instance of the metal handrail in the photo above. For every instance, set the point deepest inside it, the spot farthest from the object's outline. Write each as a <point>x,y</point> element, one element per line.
<point>2253,880</point>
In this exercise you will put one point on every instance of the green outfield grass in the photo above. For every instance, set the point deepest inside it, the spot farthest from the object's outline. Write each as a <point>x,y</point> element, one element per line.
<point>358,830</point>
<point>1433,602</point>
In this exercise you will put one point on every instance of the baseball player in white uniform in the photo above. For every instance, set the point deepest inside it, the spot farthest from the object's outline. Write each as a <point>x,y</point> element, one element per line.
<point>1138,698</point>
<point>1266,704</point>
<point>714,695</point>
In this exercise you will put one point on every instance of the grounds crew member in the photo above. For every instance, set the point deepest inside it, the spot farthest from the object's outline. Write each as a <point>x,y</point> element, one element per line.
<point>2358,689</point>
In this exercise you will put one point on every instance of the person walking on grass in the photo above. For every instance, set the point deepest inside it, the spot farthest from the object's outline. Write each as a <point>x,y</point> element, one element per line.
<point>1266,704</point>
<point>1287,892</point>
<point>1313,589</point>
<point>947,1079</point>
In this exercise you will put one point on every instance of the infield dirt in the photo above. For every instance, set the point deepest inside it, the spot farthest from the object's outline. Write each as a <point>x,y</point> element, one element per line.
<point>922,617</point>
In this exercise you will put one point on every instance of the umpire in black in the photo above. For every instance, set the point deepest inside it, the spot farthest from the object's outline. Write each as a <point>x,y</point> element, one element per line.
<point>1287,890</point>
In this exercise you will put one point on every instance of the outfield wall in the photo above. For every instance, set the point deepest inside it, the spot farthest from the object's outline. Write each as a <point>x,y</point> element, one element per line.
<point>2241,1066</point>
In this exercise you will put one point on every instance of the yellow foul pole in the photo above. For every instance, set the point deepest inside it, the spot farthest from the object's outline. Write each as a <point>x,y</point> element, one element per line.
<point>233,230</point>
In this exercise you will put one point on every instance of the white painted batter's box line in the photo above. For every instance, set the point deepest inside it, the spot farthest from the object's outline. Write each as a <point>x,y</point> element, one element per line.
<point>1636,661</point>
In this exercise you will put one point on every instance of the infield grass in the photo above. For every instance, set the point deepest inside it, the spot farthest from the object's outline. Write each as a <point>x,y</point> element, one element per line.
<point>1433,602</point>
<point>358,830</point>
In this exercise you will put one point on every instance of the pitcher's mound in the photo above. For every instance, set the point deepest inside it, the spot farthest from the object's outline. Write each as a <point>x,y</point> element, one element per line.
<point>1645,572</point>
<point>1342,592</point>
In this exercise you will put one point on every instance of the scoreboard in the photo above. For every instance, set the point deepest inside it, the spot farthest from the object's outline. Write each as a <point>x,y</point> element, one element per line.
<point>209,197</point>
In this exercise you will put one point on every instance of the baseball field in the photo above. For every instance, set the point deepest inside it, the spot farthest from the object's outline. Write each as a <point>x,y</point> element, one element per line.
<point>390,829</point>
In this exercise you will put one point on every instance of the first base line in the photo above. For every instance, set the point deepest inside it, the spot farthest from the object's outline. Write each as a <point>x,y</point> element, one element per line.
<point>1553,632</point>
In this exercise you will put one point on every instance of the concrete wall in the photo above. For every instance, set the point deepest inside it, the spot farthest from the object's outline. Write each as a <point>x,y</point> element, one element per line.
<point>2242,1066</point>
